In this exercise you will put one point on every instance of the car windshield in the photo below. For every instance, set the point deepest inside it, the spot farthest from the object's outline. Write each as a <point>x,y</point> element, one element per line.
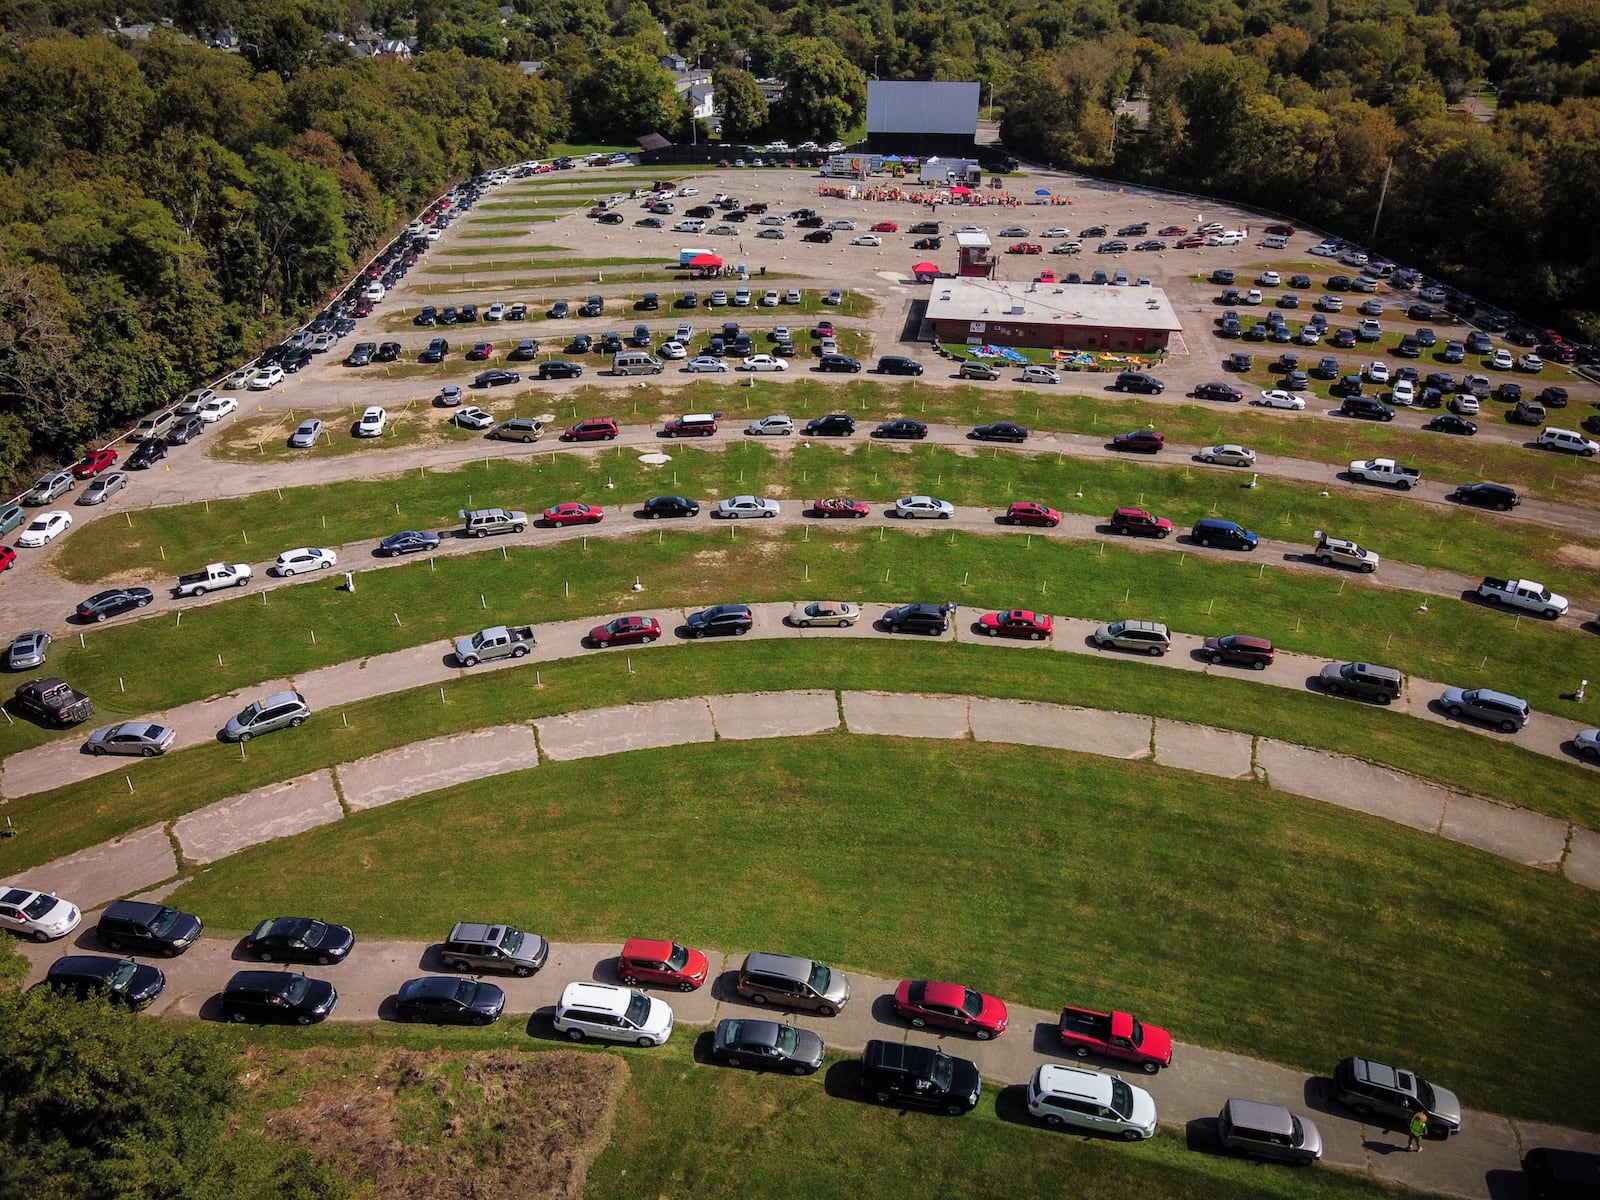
<point>678,959</point>
<point>466,992</point>
<point>788,1039</point>
<point>123,975</point>
<point>41,905</point>
<point>1116,627</point>
<point>1137,1036</point>
<point>943,1071</point>
<point>1425,1094</point>
<point>296,992</point>
<point>638,1010</point>
<point>165,920</point>
<point>313,935</point>
<point>820,978</point>
<point>512,942</point>
<point>1121,1098</point>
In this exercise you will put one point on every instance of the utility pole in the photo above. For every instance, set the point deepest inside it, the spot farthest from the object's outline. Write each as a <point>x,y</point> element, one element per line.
<point>1383,192</point>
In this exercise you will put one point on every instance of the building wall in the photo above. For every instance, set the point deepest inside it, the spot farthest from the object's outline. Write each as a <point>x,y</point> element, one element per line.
<point>1114,339</point>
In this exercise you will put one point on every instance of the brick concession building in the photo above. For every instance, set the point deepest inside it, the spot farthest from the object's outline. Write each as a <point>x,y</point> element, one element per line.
<point>1068,316</point>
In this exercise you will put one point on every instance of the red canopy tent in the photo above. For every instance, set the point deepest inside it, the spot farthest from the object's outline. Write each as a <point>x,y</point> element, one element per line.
<point>925,272</point>
<point>704,264</point>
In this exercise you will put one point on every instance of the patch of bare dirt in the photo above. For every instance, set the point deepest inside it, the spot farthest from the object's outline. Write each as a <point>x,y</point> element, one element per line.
<point>1587,557</point>
<point>436,1125</point>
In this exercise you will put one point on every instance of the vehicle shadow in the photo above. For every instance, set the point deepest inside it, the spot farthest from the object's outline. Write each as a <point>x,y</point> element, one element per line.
<point>1011,1105</point>
<point>1505,1185</point>
<point>541,1025</point>
<point>1047,1040</point>
<point>842,1081</point>
<point>1200,1135</point>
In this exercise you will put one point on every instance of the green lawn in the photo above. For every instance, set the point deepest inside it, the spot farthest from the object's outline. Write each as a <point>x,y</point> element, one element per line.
<point>1013,868</point>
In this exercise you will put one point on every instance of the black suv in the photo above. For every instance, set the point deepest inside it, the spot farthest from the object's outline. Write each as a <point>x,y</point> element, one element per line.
<point>151,451</point>
<point>277,996</point>
<point>1366,407</point>
<point>1487,495</point>
<point>134,926</point>
<point>895,364</point>
<point>919,618</point>
<point>1138,381</point>
<point>920,1076</point>
<point>832,425</point>
<point>720,618</point>
<point>435,352</point>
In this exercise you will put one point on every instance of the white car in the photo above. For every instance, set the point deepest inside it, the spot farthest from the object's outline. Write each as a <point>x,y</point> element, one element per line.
<point>473,418</point>
<point>1056,231</point>
<point>613,1014</point>
<point>242,378</point>
<point>735,507</point>
<point>1377,372</point>
<point>780,333</point>
<point>37,915</point>
<point>1228,455</point>
<point>705,362</point>
<point>496,312</point>
<point>306,558</point>
<point>372,422</point>
<point>914,507</point>
<point>1404,392</point>
<point>763,362</point>
<point>1253,296</point>
<point>1038,374</point>
<point>1500,360</point>
<point>867,239</point>
<point>769,298</point>
<point>1587,744</point>
<point>1531,363</point>
<point>841,224</point>
<point>1323,250</point>
<point>1465,403</point>
<point>1094,1100</point>
<point>777,424</point>
<point>266,379</point>
<point>840,613</point>
<point>1269,279</point>
<point>214,409</point>
<point>46,527</point>
<point>672,349</point>
<point>1278,398</point>
<point>688,191</point>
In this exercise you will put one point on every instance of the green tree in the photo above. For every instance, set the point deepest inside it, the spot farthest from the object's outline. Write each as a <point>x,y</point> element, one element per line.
<point>824,94</point>
<point>623,94</point>
<point>744,108</point>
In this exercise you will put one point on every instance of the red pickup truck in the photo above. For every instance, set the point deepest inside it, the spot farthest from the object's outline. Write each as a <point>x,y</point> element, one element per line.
<point>1116,1035</point>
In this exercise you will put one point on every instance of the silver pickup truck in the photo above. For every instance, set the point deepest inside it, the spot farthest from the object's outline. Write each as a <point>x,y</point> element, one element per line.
<point>497,641</point>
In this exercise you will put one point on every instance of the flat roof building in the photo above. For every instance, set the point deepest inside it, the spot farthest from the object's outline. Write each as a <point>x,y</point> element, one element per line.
<point>973,311</point>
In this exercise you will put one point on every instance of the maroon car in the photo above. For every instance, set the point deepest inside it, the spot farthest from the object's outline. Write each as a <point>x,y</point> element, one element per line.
<point>1030,512</point>
<point>1139,441</point>
<point>625,631</point>
<point>592,429</point>
<point>1140,523</point>
<point>1239,649</point>
<point>839,506</point>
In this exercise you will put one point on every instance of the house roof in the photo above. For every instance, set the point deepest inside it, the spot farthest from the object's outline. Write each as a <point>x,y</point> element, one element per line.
<point>1078,305</point>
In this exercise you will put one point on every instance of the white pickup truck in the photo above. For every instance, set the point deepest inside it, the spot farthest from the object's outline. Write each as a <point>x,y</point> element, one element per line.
<point>497,641</point>
<point>216,575</point>
<point>1386,470</point>
<point>1524,594</point>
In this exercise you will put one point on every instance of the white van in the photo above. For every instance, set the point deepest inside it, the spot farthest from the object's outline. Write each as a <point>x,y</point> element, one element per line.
<point>155,425</point>
<point>1274,242</point>
<point>1568,440</point>
<point>635,362</point>
<point>374,292</point>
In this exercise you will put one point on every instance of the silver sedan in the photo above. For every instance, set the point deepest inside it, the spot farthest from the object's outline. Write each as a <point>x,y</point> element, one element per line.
<point>131,737</point>
<point>747,506</point>
<point>825,612</point>
<point>911,507</point>
<point>104,488</point>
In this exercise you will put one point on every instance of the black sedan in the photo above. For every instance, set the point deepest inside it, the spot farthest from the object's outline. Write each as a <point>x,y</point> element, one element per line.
<point>113,601</point>
<point>407,541</point>
<point>1217,391</point>
<point>927,243</point>
<point>905,427</point>
<point>388,352</point>
<point>670,506</point>
<point>495,378</point>
<point>720,618</point>
<point>149,452</point>
<point>1001,431</point>
<point>767,1045</point>
<point>1450,423</point>
<point>841,363</point>
<point>299,939</point>
<point>559,370</point>
<point>445,1000</point>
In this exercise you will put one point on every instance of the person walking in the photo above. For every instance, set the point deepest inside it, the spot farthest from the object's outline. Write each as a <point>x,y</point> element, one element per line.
<point>1418,1127</point>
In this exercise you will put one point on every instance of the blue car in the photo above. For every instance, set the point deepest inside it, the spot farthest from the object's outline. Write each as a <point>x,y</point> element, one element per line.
<point>408,541</point>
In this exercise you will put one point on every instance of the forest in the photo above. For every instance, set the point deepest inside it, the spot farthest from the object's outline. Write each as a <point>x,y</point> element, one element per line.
<point>168,209</point>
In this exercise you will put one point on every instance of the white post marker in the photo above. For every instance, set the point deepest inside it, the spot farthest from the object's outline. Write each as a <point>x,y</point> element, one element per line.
<point>349,581</point>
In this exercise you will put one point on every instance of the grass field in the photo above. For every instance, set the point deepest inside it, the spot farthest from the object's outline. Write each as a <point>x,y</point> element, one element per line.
<point>1009,867</point>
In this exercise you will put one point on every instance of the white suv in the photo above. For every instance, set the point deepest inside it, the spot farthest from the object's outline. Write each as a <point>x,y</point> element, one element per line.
<point>1091,1100</point>
<point>1569,440</point>
<point>613,1014</point>
<point>372,422</point>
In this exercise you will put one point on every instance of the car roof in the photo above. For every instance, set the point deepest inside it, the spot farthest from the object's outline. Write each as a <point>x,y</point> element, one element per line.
<point>601,997</point>
<point>758,1032</point>
<point>1264,1118</point>
<point>1078,1082</point>
<point>778,964</point>
<point>940,993</point>
<point>134,910</point>
<point>656,949</point>
<point>277,698</point>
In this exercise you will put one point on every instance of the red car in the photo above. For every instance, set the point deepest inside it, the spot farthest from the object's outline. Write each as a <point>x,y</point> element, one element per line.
<point>1017,622</point>
<point>840,507</point>
<point>8,558</point>
<point>1189,243</point>
<point>1139,522</point>
<point>1142,441</point>
<point>1281,230</point>
<point>1029,512</point>
<point>573,513</point>
<point>593,429</point>
<point>94,462</point>
<point>823,329</point>
<point>650,960</point>
<point>950,1006</point>
<point>480,352</point>
<point>625,631</point>
<point>1025,248</point>
<point>1174,231</point>
<point>1115,1035</point>
<point>880,227</point>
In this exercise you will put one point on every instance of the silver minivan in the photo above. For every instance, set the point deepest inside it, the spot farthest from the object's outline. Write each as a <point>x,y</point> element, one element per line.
<point>285,710</point>
<point>635,362</point>
<point>792,982</point>
<point>1269,1131</point>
